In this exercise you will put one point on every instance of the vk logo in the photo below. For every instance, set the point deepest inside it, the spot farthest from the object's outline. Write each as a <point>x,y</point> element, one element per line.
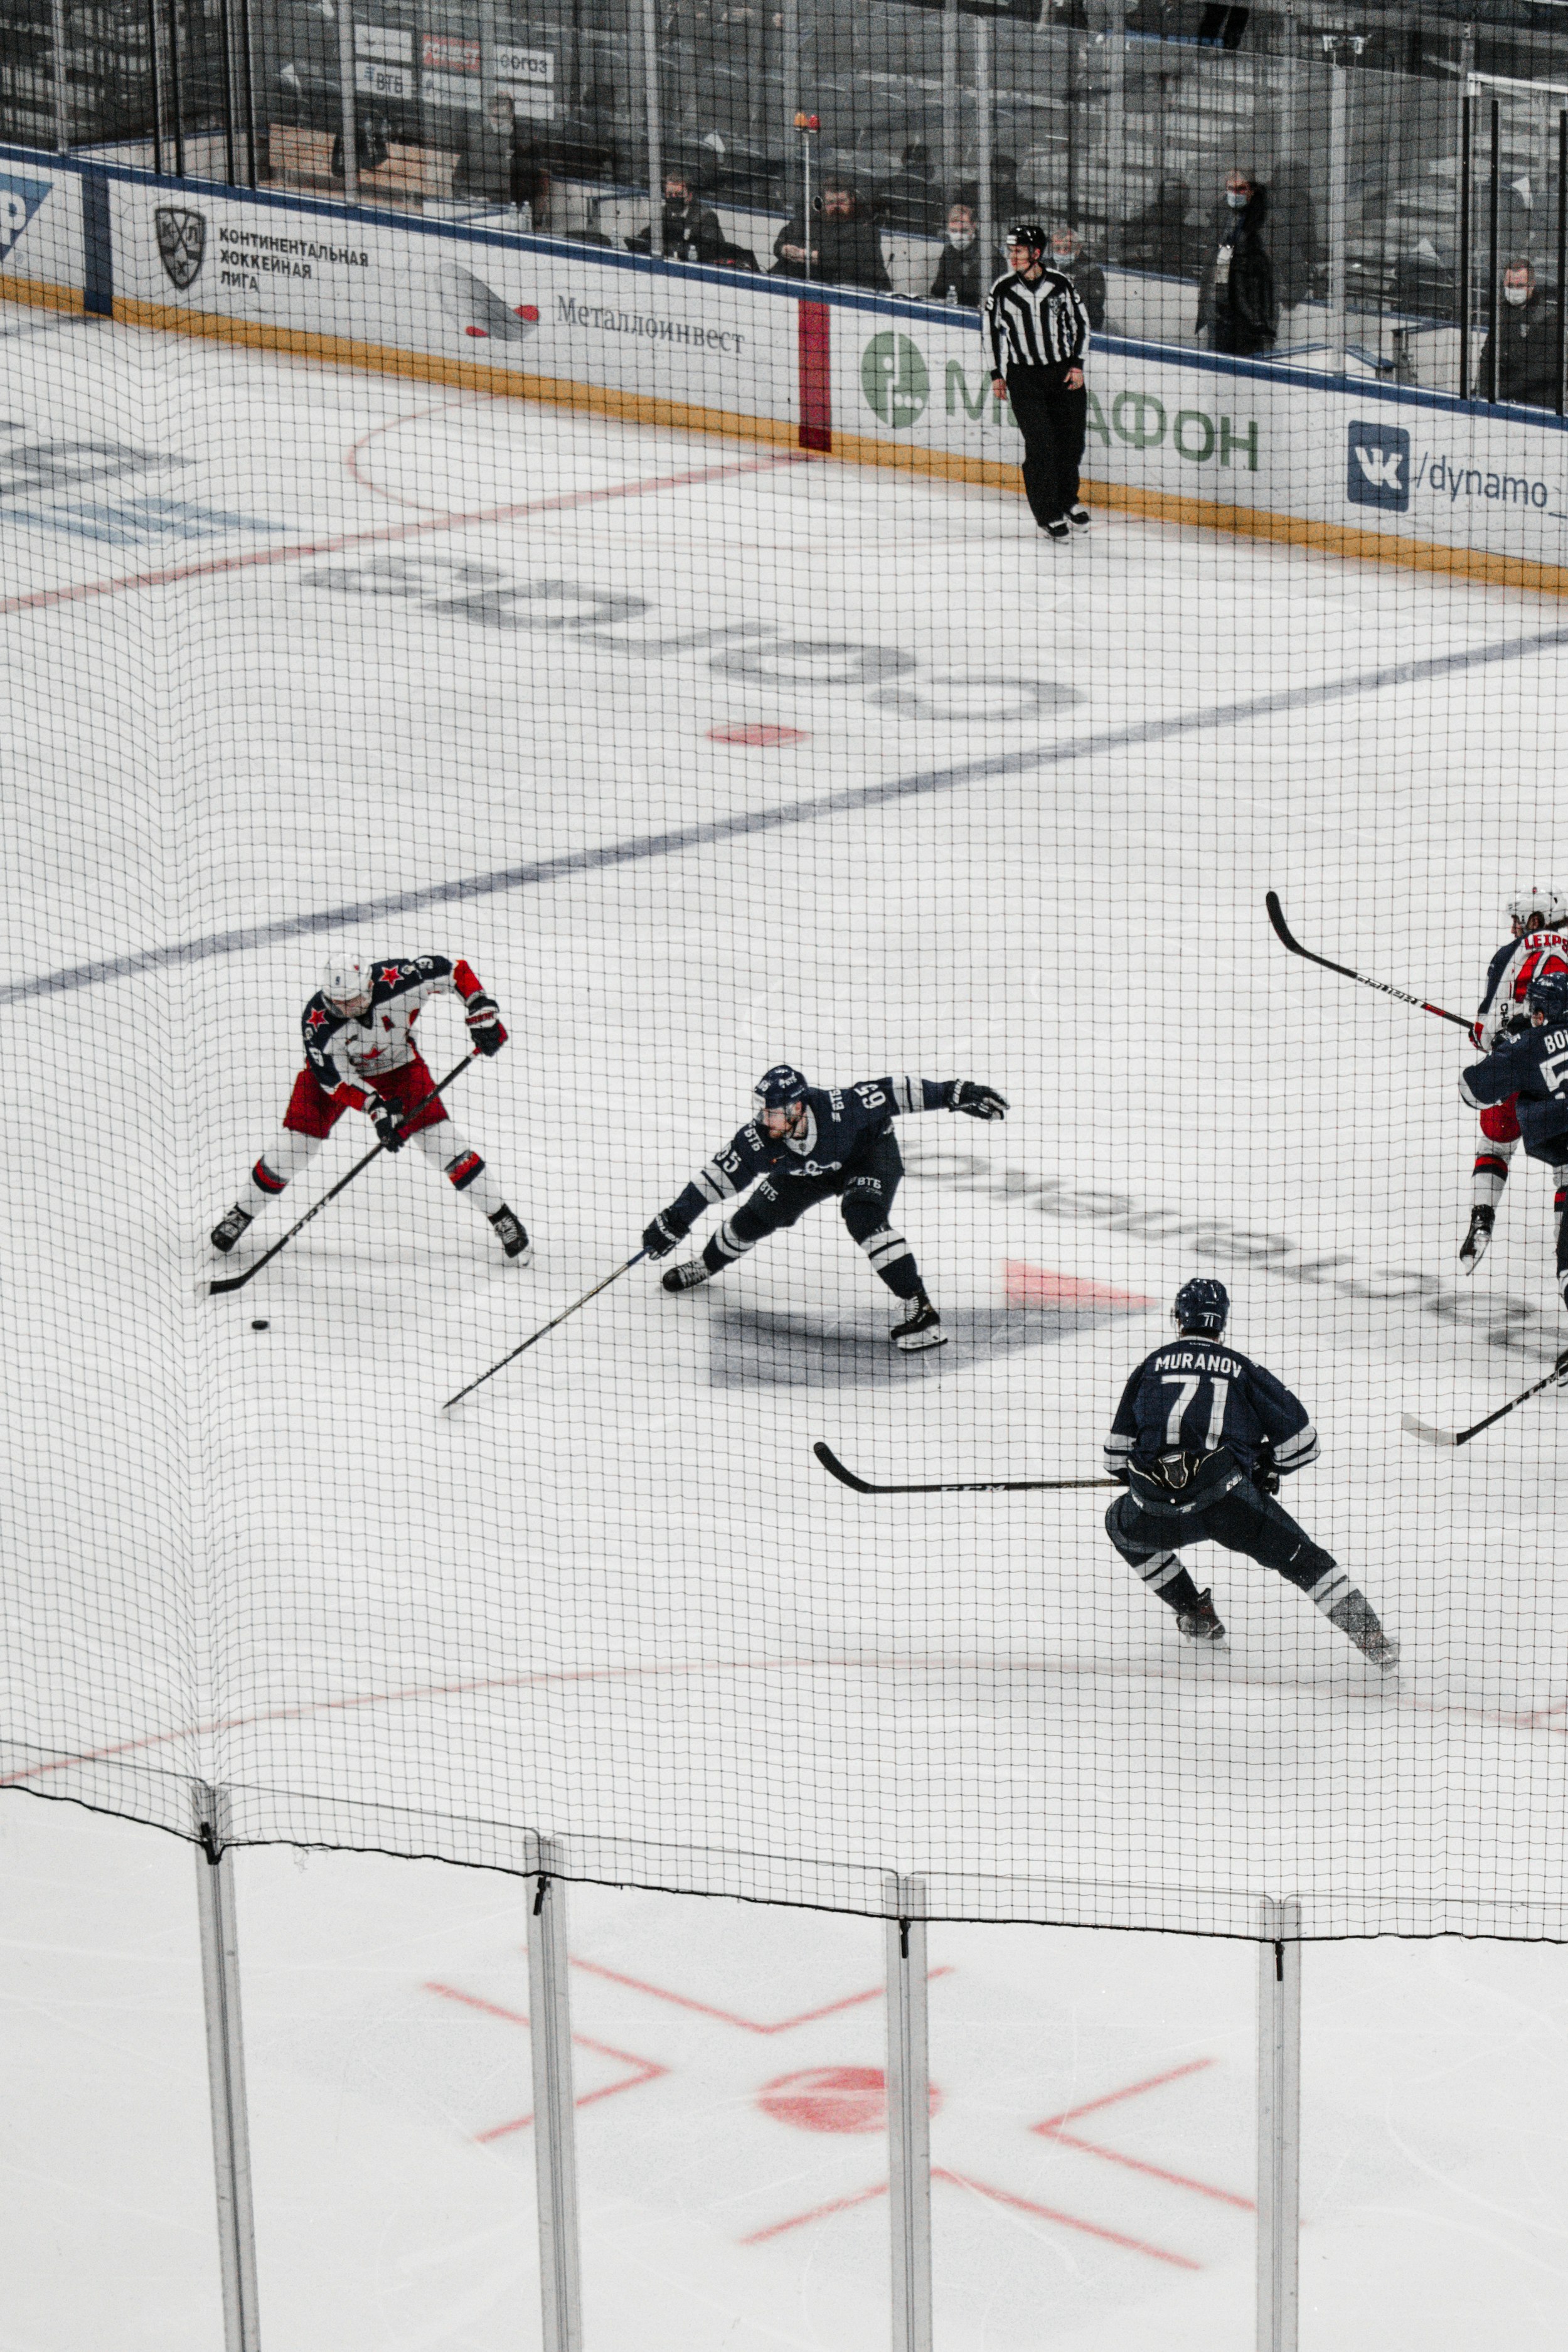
<point>19,200</point>
<point>1378,473</point>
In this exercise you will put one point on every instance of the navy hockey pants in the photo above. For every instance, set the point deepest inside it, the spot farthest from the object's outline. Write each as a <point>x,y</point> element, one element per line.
<point>865,1191</point>
<point>1244,1520</point>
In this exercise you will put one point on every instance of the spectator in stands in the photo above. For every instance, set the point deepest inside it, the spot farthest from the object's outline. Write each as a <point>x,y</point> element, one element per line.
<point>1236,305</point>
<point>1072,257</point>
<point>1157,238</point>
<point>846,248</point>
<point>487,158</point>
<point>957,278</point>
<point>909,200</point>
<point>688,231</point>
<point>1526,334</point>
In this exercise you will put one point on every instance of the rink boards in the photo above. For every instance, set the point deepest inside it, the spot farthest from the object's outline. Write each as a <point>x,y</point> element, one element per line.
<point>1356,468</point>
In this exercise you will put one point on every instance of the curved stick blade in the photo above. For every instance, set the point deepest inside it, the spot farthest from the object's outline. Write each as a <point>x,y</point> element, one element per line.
<point>835,1468</point>
<point>1425,1430</point>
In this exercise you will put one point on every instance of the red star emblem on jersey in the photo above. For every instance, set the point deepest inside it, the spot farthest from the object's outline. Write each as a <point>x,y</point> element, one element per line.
<point>315,1019</point>
<point>388,975</point>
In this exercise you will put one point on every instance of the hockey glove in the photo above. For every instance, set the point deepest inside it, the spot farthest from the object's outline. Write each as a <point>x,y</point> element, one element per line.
<point>1560,1372</point>
<point>387,1124</point>
<point>977,1101</point>
<point>485,1023</point>
<point>661,1237</point>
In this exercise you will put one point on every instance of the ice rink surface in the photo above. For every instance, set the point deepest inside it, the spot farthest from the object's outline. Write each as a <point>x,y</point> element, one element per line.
<point>706,755</point>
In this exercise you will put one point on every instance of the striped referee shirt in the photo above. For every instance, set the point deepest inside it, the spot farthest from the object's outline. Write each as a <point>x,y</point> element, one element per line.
<point>1041,326</point>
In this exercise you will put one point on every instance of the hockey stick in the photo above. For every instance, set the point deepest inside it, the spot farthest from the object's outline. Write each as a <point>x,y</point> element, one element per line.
<point>238,1281</point>
<point>1385,988</point>
<point>1424,1429</point>
<point>831,1462</point>
<point>624,1267</point>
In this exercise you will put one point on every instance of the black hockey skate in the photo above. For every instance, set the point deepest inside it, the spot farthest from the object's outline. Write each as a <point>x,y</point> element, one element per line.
<point>1079,518</point>
<point>687,1276</point>
<point>1473,1248</point>
<point>921,1327</point>
<point>1357,1619</point>
<point>1201,1622</point>
<point>1059,530</point>
<point>512,1234</point>
<point>229,1228</point>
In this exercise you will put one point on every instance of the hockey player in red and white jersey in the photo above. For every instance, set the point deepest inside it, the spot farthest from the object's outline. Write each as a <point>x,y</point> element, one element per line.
<point>360,1054</point>
<point>1539,946</point>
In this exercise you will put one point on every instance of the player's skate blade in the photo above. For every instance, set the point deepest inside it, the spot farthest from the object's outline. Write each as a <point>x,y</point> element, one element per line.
<point>920,1329</point>
<point>1474,1246</point>
<point>512,1235</point>
<point>687,1276</point>
<point>1201,1624</point>
<point>229,1228</point>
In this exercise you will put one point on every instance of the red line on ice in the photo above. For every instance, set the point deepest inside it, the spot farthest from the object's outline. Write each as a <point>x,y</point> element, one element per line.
<point>1053,2128</point>
<point>997,2197</point>
<point>732,2017</point>
<point>39,598</point>
<point>643,2070</point>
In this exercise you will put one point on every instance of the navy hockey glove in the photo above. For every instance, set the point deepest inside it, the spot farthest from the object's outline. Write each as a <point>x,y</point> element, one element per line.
<point>660,1238</point>
<point>977,1101</point>
<point>387,1124</point>
<point>485,1023</point>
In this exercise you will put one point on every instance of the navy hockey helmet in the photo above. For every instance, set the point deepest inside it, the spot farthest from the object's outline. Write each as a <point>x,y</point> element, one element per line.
<point>777,1088</point>
<point>1028,233</point>
<point>1201,1305</point>
<point>1549,997</point>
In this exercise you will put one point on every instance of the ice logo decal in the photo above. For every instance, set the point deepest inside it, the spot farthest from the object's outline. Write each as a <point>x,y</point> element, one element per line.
<point>181,242</point>
<point>1378,468</point>
<point>19,200</point>
<point>894,380</point>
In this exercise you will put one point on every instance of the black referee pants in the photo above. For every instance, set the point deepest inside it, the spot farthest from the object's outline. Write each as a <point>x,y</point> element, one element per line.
<point>1053,422</point>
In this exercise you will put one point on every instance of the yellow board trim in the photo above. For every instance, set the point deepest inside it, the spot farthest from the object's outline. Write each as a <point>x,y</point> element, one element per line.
<point>854,448</point>
<point>36,296</point>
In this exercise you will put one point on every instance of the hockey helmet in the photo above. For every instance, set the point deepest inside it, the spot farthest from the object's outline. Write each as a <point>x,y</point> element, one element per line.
<point>1201,1305</point>
<point>779,1088</point>
<point>1028,232</point>
<point>1548,996</point>
<point>1538,908</point>
<point>346,985</point>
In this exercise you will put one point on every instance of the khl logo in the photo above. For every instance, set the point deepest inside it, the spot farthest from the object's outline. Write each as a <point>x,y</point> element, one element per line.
<point>19,200</point>
<point>1378,473</point>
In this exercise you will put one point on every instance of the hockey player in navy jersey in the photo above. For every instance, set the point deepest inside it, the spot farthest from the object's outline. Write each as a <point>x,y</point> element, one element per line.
<point>1539,946</point>
<point>807,1144</point>
<point>1530,1073</point>
<point>360,1054</point>
<point>1203,1438</point>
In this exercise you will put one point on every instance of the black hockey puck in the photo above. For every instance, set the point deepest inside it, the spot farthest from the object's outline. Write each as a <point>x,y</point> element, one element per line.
<point>260,1325</point>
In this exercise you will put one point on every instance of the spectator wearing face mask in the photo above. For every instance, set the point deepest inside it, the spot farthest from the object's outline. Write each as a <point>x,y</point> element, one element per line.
<point>1072,257</point>
<point>688,230</point>
<point>1237,306</point>
<point>1525,331</point>
<point>845,247</point>
<point>957,278</point>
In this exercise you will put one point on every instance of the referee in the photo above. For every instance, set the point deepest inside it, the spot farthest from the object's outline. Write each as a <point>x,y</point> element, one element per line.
<point>1036,333</point>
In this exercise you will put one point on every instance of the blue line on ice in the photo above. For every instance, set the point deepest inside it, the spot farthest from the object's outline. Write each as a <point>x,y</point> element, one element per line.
<point>641,847</point>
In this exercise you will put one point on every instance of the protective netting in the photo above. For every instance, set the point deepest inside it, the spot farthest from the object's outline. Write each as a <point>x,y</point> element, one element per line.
<point>719,704</point>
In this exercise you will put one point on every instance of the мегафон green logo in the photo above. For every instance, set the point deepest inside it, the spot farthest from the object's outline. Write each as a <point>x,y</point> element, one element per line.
<point>894,379</point>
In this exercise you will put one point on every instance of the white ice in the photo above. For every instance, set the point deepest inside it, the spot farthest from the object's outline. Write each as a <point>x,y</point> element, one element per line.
<point>277,643</point>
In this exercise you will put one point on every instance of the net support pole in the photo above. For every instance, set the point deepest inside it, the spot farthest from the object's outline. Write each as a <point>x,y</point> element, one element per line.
<point>908,2116</point>
<point>225,2069</point>
<point>1559,355</point>
<point>349,126</point>
<point>1467,271</point>
<point>986,222</point>
<point>789,37</point>
<point>1494,266</point>
<point>949,105</point>
<point>1339,214</point>
<point>555,2120</point>
<point>651,94</point>
<point>1279,2122</point>
<point>61,87</point>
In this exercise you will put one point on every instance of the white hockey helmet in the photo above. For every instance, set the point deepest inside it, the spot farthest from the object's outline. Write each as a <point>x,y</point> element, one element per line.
<point>346,985</point>
<point>1538,909</point>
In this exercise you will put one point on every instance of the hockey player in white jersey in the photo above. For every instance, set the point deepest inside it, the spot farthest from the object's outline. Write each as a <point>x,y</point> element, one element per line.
<point>1538,919</point>
<point>360,1054</point>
